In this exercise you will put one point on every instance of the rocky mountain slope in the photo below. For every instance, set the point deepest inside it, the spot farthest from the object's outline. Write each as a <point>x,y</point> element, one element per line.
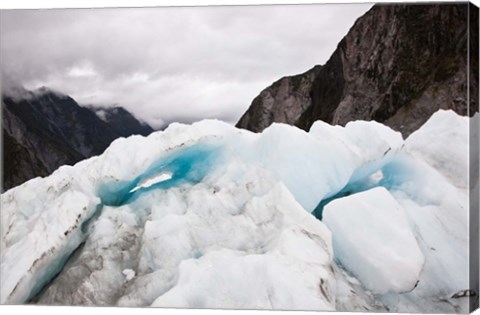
<point>121,121</point>
<point>43,130</point>
<point>284,101</point>
<point>397,65</point>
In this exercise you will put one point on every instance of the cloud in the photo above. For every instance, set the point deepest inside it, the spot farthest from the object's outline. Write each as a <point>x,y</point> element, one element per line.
<point>170,64</point>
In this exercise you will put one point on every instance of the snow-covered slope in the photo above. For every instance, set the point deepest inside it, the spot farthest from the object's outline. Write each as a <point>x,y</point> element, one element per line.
<point>207,215</point>
<point>394,260</point>
<point>426,184</point>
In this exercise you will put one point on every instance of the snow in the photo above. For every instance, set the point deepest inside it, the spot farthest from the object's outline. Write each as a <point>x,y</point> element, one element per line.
<point>129,274</point>
<point>192,228</point>
<point>36,243</point>
<point>444,148</point>
<point>227,274</point>
<point>362,222</point>
<point>330,153</point>
<point>151,181</point>
<point>428,181</point>
<point>434,192</point>
<point>231,280</point>
<point>102,114</point>
<point>207,215</point>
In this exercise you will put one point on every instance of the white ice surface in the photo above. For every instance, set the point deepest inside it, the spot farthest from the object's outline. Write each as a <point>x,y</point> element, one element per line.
<point>241,206</point>
<point>152,181</point>
<point>373,239</point>
<point>428,179</point>
<point>443,142</point>
<point>129,274</point>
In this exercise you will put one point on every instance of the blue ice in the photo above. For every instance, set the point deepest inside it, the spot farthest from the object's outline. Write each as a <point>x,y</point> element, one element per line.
<point>394,173</point>
<point>186,165</point>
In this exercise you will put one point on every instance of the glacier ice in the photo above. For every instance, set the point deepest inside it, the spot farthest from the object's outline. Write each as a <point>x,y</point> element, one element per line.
<point>207,215</point>
<point>156,179</point>
<point>362,221</point>
<point>428,181</point>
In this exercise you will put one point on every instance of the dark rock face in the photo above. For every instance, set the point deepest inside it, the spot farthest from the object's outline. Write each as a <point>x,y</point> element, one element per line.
<point>121,121</point>
<point>397,65</point>
<point>18,163</point>
<point>43,130</point>
<point>473,60</point>
<point>283,101</point>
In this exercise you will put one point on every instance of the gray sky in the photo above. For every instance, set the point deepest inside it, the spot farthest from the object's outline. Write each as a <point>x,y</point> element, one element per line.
<point>170,64</point>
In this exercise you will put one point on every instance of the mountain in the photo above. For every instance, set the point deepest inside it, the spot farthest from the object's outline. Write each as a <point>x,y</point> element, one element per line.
<point>284,101</point>
<point>397,65</point>
<point>121,121</point>
<point>44,129</point>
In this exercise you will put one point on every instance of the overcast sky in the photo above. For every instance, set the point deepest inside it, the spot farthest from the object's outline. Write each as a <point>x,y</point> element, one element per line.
<point>170,64</point>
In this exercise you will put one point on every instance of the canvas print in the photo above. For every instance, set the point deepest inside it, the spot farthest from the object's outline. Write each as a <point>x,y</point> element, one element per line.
<point>317,157</point>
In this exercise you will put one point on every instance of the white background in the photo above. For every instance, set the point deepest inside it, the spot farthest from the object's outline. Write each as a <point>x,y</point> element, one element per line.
<point>44,310</point>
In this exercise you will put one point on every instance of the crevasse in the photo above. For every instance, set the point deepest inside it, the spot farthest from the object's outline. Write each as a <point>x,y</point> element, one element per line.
<point>185,165</point>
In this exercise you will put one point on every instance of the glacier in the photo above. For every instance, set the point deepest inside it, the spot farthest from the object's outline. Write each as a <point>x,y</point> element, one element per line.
<point>210,216</point>
<point>394,260</point>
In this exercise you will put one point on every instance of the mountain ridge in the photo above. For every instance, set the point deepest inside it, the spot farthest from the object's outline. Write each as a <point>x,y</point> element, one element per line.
<point>121,120</point>
<point>398,64</point>
<point>44,129</point>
